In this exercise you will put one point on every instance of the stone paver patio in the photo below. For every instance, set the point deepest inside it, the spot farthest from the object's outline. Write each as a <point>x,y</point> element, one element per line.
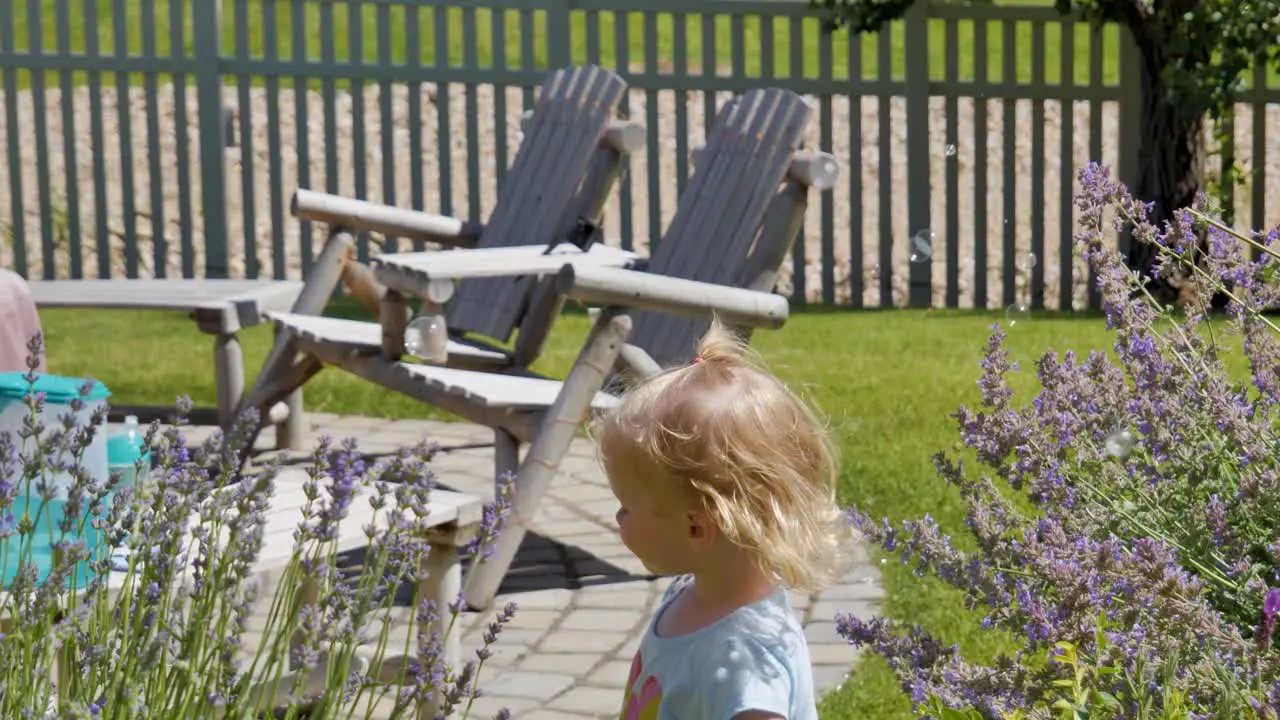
<point>583,600</point>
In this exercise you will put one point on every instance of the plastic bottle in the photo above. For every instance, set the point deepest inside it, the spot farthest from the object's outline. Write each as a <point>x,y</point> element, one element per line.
<point>126,450</point>
<point>130,458</point>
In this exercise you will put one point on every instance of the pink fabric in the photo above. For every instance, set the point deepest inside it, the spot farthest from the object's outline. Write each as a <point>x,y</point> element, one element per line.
<point>18,322</point>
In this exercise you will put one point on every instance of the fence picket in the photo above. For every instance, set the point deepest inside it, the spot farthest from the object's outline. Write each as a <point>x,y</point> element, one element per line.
<point>1066,206</point>
<point>75,251</point>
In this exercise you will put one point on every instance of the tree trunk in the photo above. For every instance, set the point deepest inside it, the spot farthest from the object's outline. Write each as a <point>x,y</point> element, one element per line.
<point>1171,155</point>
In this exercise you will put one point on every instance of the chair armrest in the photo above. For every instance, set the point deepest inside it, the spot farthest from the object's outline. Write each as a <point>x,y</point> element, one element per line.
<point>363,216</point>
<point>645,291</point>
<point>411,273</point>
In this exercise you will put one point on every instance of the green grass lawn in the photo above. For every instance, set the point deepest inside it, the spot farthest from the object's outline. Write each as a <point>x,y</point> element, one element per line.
<point>475,35</point>
<point>886,380</point>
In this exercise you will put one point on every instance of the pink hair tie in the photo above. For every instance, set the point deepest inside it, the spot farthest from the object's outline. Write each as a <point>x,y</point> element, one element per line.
<point>697,358</point>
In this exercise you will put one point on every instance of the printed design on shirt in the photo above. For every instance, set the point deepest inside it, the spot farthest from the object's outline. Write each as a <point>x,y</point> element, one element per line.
<point>641,704</point>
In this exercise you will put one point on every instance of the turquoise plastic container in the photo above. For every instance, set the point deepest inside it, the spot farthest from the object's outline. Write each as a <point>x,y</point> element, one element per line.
<point>59,392</point>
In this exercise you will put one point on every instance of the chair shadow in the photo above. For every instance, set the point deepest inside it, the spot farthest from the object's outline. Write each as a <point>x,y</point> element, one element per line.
<point>541,563</point>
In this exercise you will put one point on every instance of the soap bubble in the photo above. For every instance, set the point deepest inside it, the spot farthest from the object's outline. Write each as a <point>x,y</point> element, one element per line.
<point>951,150</point>
<point>427,337</point>
<point>1119,443</point>
<point>1026,262</point>
<point>875,271</point>
<point>1016,313</point>
<point>922,246</point>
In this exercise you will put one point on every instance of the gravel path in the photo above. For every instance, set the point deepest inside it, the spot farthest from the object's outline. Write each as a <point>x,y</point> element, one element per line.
<point>869,149</point>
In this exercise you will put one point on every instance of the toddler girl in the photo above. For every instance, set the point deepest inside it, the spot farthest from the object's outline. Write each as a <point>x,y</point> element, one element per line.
<point>726,479</point>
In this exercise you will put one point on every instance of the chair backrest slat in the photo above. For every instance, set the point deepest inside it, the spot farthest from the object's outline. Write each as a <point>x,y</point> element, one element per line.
<point>718,219</point>
<point>568,121</point>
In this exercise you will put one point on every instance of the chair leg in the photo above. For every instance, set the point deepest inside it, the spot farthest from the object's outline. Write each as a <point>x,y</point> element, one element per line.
<point>570,409</point>
<point>316,291</point>
<point>290,431</point>
<point>280,382</point>
<point>228,368</point>
<point>441,581</point>
<point>506,454</point>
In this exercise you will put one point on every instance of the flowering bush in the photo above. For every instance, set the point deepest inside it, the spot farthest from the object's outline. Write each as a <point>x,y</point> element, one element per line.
<point>163,638</point>
<point>1134,572</point>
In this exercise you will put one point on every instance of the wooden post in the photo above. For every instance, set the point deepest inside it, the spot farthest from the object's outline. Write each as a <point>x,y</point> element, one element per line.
<point>228,368</point>
<point>916,29</point>
<point>506,454</point>
<point>393,316</point>
<point>440,580</point>
<point>290,431</point>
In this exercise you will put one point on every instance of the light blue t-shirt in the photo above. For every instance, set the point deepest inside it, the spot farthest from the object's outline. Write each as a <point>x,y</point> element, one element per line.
<point>755,658</point>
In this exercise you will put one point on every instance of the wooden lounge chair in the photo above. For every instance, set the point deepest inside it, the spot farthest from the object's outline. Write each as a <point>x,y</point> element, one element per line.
<point>563,172</point>
<point>733,226</point>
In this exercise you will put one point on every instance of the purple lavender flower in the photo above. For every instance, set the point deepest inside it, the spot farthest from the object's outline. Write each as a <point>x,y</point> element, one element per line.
<point>170,633</point>
<point>1163,551</point>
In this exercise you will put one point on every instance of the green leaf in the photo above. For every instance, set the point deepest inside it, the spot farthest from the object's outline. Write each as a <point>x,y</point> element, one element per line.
<point>1068,652</point>
<point>1107,699</point>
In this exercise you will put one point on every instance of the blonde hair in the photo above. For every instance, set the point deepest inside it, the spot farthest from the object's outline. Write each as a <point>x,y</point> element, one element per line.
<point>753,455</point>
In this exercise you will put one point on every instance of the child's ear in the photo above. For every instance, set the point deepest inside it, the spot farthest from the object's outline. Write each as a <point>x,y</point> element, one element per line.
<point>700,528</point>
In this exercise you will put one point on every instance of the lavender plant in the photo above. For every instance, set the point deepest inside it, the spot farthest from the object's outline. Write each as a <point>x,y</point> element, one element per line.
<point>168,637</point>
<point>1134,572</point>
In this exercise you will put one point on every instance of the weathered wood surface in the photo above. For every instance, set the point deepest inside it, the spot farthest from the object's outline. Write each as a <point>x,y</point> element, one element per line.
<point>818,170</point>
<point>282,376</point>
<point>366,336</point>
<point>676,296</point>
<point>718,217</point>
<point>246,299</point>
<point>364,216</point>
<point>219,307</point>
<point>451,520</point>
<point>536,202</point>
<point>410,273</point>
<point>285,515</point>
<point>513,392</point>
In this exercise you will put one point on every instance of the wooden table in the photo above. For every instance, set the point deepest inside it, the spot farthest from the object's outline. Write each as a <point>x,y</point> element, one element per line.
<point>221,308</point>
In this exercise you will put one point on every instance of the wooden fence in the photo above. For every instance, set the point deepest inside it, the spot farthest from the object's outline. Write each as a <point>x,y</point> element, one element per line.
<point>137,146</point>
